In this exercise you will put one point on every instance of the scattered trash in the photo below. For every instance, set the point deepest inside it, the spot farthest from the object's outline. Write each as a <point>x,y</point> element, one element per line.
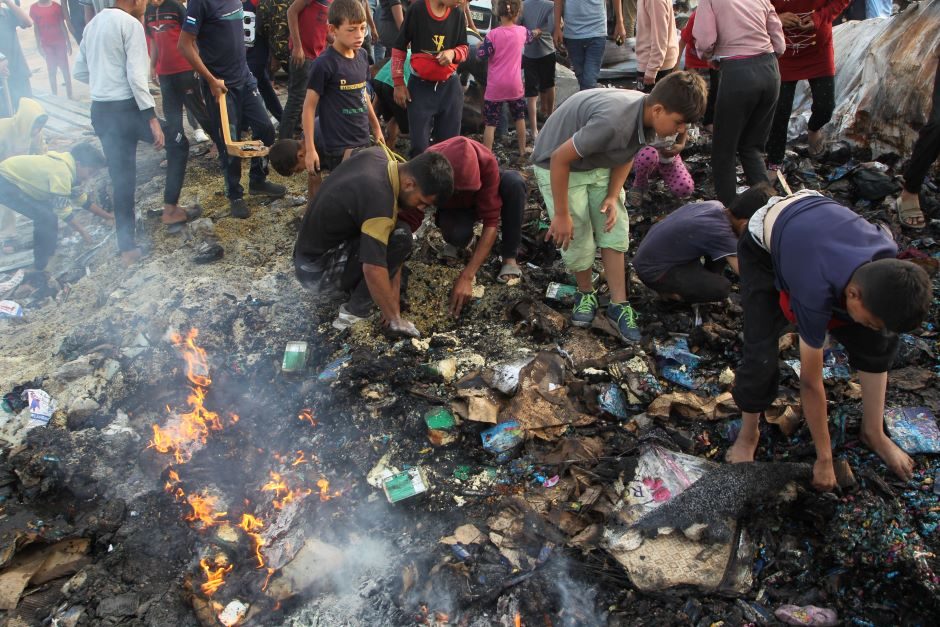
<point>9,309</point>
<point>405,485</point>
<point>503,440</point>
<point>807,615</point>
<point>295,357</point>
<point>41,408</point>
<point>560,292</point>
<point>11,283</point>
<point>477,404</point>
<point>331,372</point>
<point>539,318</point>
<point>441,426</point>
<point>543,407</point>
<point>505,377</point>
<point>233,613</point>
<point>446,369</point>
<point>677,363</point>
<point>835,365</point>
<point>691,405</point>
<point>914,429</point>
<point>612,400</point>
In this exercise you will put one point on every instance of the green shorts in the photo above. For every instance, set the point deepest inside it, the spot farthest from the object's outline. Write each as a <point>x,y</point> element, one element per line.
<point>586,192</point>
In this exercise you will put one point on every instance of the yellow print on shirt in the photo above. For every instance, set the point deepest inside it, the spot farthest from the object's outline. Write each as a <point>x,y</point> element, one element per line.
<point>344,87</point>
<point>438,42</point>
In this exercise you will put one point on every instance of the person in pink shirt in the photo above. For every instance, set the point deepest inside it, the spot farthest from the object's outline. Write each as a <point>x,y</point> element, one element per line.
<point>743,38</point>
<point>53,42</point>
<point>503,47</point>
<point>657,47</point>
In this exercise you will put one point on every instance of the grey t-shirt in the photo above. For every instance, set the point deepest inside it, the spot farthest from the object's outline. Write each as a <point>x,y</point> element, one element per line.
<point>605,124</point>
<point>699,229</point>
<point>539,14</point>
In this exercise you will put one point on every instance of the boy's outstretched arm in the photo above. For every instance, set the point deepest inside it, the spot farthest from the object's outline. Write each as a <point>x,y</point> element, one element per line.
<point>813,399</point>
<point>562,227</point>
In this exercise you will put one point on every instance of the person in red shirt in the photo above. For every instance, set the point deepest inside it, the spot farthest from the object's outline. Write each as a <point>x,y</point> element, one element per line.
<point>807,28</point>
<point>694,63</point>
<point>52,40</point>
<point>482,193</point>
<point>179,87</point>
<point>307,22</point>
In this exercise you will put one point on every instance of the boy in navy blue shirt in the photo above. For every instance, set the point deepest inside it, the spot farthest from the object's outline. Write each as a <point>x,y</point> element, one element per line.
<point>809,260</point>
<point>217,26</point>
<point>337,92</point>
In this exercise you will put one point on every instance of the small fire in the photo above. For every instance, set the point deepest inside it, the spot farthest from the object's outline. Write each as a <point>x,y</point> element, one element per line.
<point>197,366</point>
<point>518,620</point>
<point>253,526</point>
<point>324,486</point>
<point>301,459</point>
<point>215,577</point>
<point>307,414</point>
<point>203,510</point>
<point>282,492</point>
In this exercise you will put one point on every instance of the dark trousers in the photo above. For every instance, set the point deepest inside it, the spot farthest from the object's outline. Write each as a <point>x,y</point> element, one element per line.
<point>714,77</point>
<point>45,221</point>
<point>245,110</point>
<point>297,78</point>
<point>586,56</point>
<point>258,64</point>
<point>824,103</point>
<point>694,282</point>
<point>120,125</point>
<point>927,146</point>
<point>456,225</point>
<point>660,75</point>
<point>757,377</point>
<point>434,111</point>
<point>179,90</point>
<point>744,110</point>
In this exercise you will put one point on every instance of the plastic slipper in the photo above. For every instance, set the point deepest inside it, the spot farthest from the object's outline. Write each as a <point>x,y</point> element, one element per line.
<point>509,272</point>
<point>909,212</point>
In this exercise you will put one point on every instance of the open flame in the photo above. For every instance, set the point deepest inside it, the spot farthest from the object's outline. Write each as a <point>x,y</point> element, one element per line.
<point>325,494</point>
<point>203,506</point>
<point>307,414</point>
<point>215,577</point>
<point>283,494</point>
<point>252,526</point>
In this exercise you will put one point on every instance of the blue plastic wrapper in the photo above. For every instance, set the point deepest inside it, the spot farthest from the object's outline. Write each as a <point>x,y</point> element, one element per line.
<point>503,440</point>
<point>460,552</point>
<point>914,429</point>
<point>677,363</point>
<point>331,372</point>
<point>835,365</point>
<point>612,400</point>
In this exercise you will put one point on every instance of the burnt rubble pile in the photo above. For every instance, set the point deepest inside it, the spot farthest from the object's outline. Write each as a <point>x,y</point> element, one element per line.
<point>182,468</point>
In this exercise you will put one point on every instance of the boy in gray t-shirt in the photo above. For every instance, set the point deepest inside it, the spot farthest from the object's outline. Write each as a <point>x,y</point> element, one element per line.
<point>582,159</point>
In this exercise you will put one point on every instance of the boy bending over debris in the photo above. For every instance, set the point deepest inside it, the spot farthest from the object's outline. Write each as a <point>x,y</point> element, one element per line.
<point>582,158</point>
<point>44,188</point>
<point>809,260</point>
<point>349,240</point>
<point>669,259</point>
<point>482,193</point>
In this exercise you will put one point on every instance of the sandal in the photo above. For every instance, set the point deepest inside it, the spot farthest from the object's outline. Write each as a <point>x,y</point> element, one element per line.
<point>909,213</point>
<point>509,274</point>
<point>191,214</point>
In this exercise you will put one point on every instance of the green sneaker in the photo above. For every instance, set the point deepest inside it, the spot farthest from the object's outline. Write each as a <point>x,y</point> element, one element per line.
<point>585,308</point>
<point>624,318</point>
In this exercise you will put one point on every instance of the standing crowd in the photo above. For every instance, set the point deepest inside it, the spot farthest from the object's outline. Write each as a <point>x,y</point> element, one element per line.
<point>361,74</point>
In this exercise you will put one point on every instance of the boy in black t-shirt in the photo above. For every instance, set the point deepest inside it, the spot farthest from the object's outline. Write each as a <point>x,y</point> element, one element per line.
<point>437,33</point>
<point>337,91</point>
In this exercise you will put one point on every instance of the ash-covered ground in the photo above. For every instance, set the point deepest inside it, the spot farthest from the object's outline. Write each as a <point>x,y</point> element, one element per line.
<point>278,505</point>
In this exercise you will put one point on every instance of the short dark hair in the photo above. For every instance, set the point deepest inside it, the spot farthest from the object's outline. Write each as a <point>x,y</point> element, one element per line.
<point>896,291</point>
<point>746,203</point>
<point>434,175</point>
<point>346,11</point>
<point>283,156</point>
<point>86,155</point>
<point>509,8</point>
<point>681,92</point>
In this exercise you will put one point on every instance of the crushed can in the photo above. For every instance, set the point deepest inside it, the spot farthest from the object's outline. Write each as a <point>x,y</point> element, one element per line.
<point>442,427</point>
<point>295,357</point>
<point>503,440</point>
<point>405,485</point>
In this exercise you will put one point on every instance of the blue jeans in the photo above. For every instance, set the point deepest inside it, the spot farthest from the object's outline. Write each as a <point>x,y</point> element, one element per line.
<point>586,56</point>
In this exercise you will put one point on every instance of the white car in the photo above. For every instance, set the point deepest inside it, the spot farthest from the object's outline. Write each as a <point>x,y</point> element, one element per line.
<point>481,12</point>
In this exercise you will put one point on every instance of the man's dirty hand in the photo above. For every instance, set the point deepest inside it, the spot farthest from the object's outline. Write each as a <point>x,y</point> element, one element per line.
<point>824,475</point>
<point>460,295</point>
<point>561,231</point>
<point>402,96</point>
<point>402,327</point>
<point>312,162</point>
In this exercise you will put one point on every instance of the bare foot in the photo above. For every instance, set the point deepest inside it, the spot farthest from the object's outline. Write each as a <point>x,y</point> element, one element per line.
<point>129,257</point>
<point>891,454</point>
<point>173,215</point>
<point>743,448</point>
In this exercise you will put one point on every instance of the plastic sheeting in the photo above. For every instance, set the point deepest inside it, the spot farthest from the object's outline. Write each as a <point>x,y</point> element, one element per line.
<point>885,71</point>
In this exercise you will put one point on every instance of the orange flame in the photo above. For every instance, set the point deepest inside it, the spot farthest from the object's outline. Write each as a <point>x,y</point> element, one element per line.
<point>197,366</point>
<point>307,414</point>
<point>203,510</point>
<point>518,620</point>
<point>324,486</point>
<point>215,577</point>
<point>301,459</point>
<point>253,526</point>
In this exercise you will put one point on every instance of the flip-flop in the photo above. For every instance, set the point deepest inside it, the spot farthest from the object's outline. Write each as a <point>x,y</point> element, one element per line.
<point>508,272</point>
<point>191,214</point>
<point>908,212</point>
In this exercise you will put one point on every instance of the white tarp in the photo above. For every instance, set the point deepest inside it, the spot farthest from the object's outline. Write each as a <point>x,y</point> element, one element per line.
<point>885,71</point>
